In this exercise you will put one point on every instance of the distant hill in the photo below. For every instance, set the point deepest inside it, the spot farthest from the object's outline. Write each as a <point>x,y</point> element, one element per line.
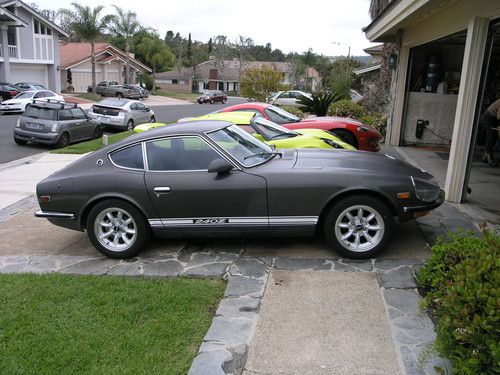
<point>363,60</point>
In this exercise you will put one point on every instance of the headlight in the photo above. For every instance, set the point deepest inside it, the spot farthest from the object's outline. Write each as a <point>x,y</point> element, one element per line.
<point>331,143</point>
<point>54,127</point>
<point>425,191</point>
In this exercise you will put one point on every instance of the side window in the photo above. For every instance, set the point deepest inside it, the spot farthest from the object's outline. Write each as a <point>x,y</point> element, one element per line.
<point>140,106</point>
<point>102,84</point>
<point>180,154</point>
<point>65,115</point>
<point>284,95</point>
<point>78,113</point>
<point>133,107</point>
<point>130,157</point>
<point>37,95</point>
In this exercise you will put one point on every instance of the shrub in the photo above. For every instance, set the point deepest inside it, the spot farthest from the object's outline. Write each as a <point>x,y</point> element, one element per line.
<point>147,80</point>
<point>346,108</point>
<point>377,120</point>
<point>318,103</point>
<point>462,286</point>
<point>294,110</point>
<point>260,83</point>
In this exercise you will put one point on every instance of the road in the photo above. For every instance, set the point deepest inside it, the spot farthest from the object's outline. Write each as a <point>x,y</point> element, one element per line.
<point>9,151</point>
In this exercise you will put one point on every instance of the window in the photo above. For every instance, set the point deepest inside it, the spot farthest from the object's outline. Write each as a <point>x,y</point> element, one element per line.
<point>130,157</point>
<point>37,27</point>
<point>180,154</point>
<point>284,95</point>
<point>280,116</point>
<point>65,115</point>
<point>49,31</point>
<point>40,113</point>
<point>140,106</point>
<point>174,82</point>
<point>78,114</point>
<point>133,107</point>
<point>42,28</point>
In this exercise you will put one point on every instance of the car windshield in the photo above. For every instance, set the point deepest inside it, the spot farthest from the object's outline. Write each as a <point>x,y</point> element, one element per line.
<point>280,116</point>
<point>40,113</point>
<point>270,130</point>
<point>242,146</point>
<point>113,102</point>
<point>39,87</point>
<point>25,95</point>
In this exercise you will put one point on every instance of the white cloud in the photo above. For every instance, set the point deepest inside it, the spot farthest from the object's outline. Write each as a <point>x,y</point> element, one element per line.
<point>294,25</point>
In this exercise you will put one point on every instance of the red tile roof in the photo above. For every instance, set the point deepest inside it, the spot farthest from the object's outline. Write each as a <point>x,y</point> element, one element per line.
<point>72,53</point>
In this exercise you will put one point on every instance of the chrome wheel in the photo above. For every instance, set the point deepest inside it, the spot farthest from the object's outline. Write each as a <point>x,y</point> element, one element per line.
<point>359,228</point>
<point>115,229</point>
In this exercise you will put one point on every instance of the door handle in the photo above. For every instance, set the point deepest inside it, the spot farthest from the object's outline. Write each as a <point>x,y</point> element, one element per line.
<point>161,190</point>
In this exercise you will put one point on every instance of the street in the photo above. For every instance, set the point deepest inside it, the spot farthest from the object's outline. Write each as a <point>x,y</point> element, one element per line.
<point>10,151</point>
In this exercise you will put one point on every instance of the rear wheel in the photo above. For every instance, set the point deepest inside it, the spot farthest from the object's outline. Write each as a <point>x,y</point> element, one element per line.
<point>152,119</point>
<point>98,132</point>
<point>358,227</point>
<point>117,229</point>
<point>212,101</point>
<point>346,136</point>
<point>63,141</point>
<point>119,95</point>
<point>130,125</point>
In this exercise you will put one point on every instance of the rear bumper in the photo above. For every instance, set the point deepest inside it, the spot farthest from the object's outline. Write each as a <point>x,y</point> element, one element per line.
<point>36,137</point>
<point>54,215</point>
<point>426,207</point>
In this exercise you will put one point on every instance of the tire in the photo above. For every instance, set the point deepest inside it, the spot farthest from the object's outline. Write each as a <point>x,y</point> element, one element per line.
<point>212,101</point>
<point>20,142</point>
<point>63,140</point>
<point>346,136</point>
<point>152,119</point>
<point>119,95</point>
<point>337,225</point>
<point>98,132</point>
<point>130,125</point>
<point>224,101</point>
<point>109,233</point>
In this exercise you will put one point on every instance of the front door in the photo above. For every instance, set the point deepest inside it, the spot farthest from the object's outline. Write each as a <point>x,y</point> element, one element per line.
<point>189,198</point>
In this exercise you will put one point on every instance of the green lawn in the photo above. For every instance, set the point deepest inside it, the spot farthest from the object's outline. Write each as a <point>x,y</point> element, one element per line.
<point>94,144</point>
<point>177,95</point>
<point>63,324</point>
<point>89,96</point>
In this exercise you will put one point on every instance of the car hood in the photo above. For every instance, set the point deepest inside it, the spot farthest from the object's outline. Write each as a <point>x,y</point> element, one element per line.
<point>357,160</point>
<point>13,100</point>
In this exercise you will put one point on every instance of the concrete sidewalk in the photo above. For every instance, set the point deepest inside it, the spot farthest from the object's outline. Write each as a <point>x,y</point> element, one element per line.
<point>18,179</point>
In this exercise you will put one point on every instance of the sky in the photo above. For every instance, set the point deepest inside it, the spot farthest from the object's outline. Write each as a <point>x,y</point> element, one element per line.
<point>329,27</point>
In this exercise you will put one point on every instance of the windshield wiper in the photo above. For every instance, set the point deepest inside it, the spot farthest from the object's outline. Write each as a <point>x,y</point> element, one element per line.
<point>262,154</point>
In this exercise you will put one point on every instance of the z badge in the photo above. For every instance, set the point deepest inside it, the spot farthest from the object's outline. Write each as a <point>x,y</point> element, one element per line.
<point>210,221</point>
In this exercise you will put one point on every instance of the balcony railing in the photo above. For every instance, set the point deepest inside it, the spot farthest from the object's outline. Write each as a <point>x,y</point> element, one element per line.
<point>12,51</point>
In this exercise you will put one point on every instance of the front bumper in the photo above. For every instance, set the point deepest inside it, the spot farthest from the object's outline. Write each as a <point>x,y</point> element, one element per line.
<point>427,206</point>
<point>54,215</point>
<point>11,108</point>
<point>36,137</point>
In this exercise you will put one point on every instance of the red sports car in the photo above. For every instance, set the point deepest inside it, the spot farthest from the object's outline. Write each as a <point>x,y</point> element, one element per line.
<point>361,136</point>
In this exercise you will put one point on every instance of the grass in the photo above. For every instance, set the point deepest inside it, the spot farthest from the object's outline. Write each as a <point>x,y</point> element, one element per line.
<point>89,96</point>
<point>92,145</point>
<point>177,95</point>
<point>62,324</point>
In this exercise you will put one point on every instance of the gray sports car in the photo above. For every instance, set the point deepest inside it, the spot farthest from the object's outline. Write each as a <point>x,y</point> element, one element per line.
<point>211,178</point>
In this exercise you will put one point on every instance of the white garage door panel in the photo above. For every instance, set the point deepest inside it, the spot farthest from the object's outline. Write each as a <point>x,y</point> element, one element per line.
<point>29,73</point>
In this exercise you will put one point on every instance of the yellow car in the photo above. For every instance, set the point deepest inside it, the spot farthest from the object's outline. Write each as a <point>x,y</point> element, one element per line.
<point>274,134</point>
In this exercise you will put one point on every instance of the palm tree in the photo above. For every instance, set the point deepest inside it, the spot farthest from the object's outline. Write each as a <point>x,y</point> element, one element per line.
<point>125,24</point>
<point>87,25</point>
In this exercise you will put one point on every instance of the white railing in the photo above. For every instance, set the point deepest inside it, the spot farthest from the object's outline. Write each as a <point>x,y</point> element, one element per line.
<point>12,51</point>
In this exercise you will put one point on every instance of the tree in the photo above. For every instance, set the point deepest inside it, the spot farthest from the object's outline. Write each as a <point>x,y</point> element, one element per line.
<point>87,25</point>
<point>125,23</point>
<point>210,45</point>
<point>221,52</point>
<point>242,46</point>
<point>179,48</point>
<point>189,51</point>
<point>260,83</point>
<point>297,72</point>
<point>156,53</point>
<point>340,76</point>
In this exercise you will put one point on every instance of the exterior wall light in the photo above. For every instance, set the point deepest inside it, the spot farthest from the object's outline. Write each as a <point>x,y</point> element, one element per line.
<point>393,61</point>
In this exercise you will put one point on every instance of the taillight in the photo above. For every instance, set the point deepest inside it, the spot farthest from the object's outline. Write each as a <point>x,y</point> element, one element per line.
<point>44,198</point>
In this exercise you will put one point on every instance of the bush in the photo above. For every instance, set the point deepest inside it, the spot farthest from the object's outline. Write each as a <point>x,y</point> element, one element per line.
<point>294,110</point>
<point>147,80</point>
<point>377,120</point>
<point>346,108</point>
<point>462,286</point>
<point>318,103</point>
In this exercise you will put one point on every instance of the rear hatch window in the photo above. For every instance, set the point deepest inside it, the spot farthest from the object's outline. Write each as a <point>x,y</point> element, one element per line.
<point>106,111</point>
<point>40,113</point>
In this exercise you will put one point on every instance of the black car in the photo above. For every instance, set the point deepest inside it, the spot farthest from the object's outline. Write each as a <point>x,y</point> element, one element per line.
<point>211,178</point>
<point>8,91</point>
<point>212,96</point>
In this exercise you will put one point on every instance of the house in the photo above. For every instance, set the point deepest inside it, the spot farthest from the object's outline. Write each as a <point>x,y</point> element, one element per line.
<point>225,76</point>
<point>369,73</point>
<point>29,46</point>
<point>110,65</point>
<point>446,75</point>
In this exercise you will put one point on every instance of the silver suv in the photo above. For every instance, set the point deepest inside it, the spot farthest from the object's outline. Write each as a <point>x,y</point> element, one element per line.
<point>55,123</point>
<point>121,113</point>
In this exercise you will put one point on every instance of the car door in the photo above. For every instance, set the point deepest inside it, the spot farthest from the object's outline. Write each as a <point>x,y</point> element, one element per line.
<point>143,112</point>
<point>67,123</point>
<point>189,198</point>
<point>84,128</point>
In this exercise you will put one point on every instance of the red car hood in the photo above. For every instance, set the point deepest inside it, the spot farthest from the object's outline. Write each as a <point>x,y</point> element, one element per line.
<point>344,120</point>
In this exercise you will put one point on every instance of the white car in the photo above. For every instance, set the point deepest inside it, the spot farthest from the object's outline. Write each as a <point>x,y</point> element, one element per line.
<point>288,97</point>
<point>19,102</point>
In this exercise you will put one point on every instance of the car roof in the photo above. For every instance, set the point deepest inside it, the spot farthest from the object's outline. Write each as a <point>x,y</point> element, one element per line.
<point>113,102</point>
<point>240,118</point>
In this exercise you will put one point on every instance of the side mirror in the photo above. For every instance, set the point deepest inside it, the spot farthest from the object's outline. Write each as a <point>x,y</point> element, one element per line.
<point>219,166</point>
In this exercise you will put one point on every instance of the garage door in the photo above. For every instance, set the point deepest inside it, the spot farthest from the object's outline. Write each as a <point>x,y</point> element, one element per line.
<point>36,73</point>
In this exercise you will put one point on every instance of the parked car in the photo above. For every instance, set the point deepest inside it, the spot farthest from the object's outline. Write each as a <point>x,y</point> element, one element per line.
<point>212,96</point>
<point>112,88</point>
<point>55,123</point>
<point>119,113</point>
<point>22,100</point>
<point>357,134</point>
<point>8,91</point>
<point>233,184</point>
<point>276,135</point>
<point>288,97</point>
<point>29,86</point>
<point>142,91</point>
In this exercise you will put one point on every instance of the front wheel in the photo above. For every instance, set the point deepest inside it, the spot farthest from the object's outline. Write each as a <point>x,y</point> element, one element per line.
<point>359,227</point>
<point>212,101</point>
<point>117,229</point>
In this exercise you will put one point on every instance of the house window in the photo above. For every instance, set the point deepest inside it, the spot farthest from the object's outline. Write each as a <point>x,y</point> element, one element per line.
<point>42,29</point>
<point>37,27</point>
<point>174,82</point>
<point>49,31</point>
